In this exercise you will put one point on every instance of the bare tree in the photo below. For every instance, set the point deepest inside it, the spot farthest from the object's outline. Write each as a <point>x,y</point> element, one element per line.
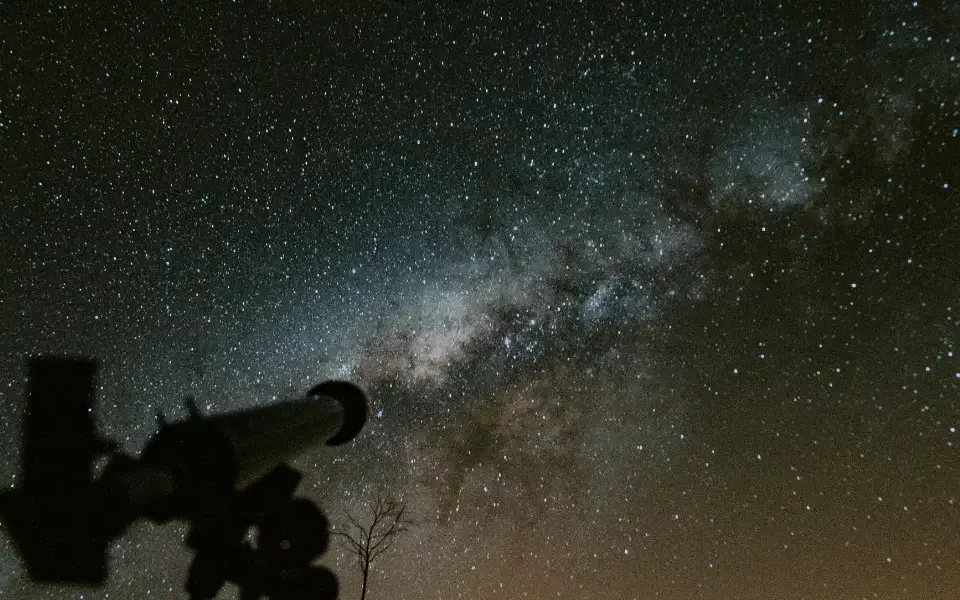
<point>368,540</point>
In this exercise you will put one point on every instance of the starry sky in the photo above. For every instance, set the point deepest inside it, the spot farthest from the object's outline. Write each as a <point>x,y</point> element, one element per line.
<point>652,299</point>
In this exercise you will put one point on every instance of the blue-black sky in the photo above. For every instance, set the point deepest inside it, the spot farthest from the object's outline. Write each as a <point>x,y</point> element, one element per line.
<point>653,300</point>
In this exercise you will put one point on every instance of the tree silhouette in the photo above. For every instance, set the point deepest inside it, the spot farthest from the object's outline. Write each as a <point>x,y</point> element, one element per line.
<point>369,540</point>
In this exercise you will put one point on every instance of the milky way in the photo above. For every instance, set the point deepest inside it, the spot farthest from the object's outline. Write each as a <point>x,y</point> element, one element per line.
<point>651,300</point>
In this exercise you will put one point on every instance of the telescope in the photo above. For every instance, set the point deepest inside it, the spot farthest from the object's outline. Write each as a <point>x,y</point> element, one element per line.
<point>226,475</point>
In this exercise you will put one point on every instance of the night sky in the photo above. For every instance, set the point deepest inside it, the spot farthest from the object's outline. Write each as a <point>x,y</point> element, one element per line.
<point>652,299</point>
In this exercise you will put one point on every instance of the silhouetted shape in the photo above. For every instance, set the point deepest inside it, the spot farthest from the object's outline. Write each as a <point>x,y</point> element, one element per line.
<point>290,534</point>
<point>368,541</point>
<point>50,517</point>
<point>225,475</point>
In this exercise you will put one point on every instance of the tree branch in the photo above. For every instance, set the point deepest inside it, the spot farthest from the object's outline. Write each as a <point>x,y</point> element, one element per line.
<point>368,542</point>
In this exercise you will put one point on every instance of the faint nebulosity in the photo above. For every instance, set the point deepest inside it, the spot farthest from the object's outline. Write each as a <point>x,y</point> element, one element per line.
<point>653,299</point>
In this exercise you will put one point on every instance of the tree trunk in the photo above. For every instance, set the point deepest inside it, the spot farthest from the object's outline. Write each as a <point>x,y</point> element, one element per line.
<point>363,590</point>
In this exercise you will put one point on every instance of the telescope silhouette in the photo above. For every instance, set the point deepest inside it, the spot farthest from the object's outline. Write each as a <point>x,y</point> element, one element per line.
<point>226,475</point>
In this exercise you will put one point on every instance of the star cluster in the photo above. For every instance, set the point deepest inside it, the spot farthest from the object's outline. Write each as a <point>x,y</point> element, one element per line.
<point>651,300</point>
